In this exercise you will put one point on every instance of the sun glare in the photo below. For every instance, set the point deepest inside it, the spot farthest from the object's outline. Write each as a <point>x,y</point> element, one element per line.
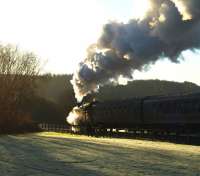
<point>140,8</point>
<point>183,10</point>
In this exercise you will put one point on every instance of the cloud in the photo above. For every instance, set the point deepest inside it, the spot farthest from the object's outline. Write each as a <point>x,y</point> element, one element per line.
<point>125,47</point>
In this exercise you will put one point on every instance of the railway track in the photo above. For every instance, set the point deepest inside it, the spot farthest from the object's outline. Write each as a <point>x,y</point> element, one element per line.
<point>193,139</point>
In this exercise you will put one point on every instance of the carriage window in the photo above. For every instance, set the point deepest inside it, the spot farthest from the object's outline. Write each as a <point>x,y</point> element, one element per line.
<point>198,106</point>
<point>172,107</point>
<point>190,107</point>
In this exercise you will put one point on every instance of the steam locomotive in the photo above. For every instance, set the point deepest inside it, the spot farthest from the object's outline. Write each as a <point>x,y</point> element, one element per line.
<point>157,113</point>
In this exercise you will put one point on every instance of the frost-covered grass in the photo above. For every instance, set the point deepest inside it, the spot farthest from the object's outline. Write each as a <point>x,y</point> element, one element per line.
<point>55,154</point>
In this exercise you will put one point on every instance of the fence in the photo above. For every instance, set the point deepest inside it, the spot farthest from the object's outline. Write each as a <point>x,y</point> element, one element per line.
<point>54,127</point>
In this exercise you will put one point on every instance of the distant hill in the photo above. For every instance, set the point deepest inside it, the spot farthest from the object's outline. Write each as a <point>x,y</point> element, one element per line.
<point>56,96</point>
<point>141,88</point>
<point>57,89</point>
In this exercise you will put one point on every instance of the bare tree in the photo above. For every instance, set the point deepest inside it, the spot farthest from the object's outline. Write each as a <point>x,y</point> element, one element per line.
<point>17,74</point>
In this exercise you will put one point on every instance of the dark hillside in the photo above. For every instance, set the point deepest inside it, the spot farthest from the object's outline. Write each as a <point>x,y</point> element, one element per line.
<point>141,88</point>
<point>56,97</point>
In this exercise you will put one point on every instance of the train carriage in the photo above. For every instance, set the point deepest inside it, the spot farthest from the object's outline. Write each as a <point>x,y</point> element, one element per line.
<point>164,113</point>
<point>116,114</point>
<point>173,113</point>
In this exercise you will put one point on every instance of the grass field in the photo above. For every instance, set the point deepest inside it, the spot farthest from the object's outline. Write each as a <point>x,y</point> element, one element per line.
<point>55,154</point>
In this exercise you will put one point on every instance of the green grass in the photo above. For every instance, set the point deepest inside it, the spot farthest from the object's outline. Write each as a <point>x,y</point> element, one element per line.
<point>55,154</point>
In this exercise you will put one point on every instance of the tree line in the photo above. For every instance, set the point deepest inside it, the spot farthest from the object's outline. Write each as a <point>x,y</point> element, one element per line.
<point>57,96</point>
<point>17,72</point>
<point>28,98</point>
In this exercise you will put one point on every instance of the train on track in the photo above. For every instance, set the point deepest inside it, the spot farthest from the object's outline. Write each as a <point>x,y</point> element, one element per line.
<point>179,114</point>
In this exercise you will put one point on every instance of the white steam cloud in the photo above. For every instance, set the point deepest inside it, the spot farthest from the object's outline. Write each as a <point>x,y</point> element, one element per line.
<point>166,31</point>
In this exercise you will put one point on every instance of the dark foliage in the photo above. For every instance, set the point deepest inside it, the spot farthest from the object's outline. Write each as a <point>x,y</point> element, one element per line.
<point>55,96</point>
<point>142,88</point>
<point>55,99</point>
<point>17,74</point>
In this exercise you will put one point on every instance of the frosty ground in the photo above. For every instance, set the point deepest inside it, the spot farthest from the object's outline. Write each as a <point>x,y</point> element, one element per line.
<point>54,154</point>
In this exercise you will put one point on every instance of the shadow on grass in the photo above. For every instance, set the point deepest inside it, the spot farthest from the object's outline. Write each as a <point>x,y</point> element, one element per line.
<point>33,155</point>
<point>131,160</point>
<point>28,156</point>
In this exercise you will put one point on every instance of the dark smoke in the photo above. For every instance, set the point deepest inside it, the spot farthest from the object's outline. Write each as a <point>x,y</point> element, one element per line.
<point>125,47</point>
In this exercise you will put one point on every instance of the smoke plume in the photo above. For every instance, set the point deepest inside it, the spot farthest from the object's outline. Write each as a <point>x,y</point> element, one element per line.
<point>169,27</point>
<point>75,116</point>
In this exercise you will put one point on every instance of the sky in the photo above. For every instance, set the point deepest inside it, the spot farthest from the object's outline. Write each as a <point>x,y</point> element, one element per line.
<point>59,32</point>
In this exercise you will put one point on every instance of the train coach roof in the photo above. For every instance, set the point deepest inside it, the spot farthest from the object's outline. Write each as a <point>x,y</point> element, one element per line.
<point>165,97</point>
<point>138,100</point>
<point>116,103</point>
